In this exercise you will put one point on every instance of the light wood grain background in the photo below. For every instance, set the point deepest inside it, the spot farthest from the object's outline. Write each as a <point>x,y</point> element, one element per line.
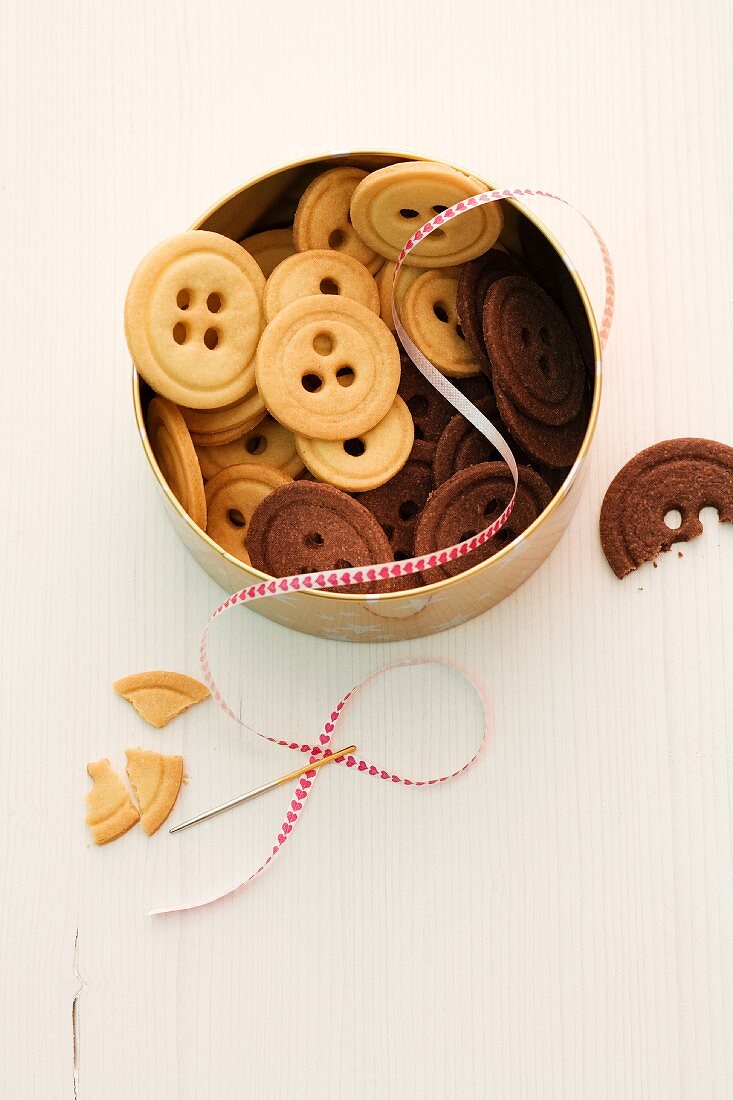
<point>558,923</point>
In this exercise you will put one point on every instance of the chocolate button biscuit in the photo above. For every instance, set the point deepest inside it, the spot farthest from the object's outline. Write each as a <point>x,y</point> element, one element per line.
<point>545,444</point>
<point>397,506</point>
<point>473,283</point>
<point>535,357</point>
<point>462,445</point>
<point>467,503</point>
<point>683,475</point>
<point>430,410</point>
<point>306,527</point>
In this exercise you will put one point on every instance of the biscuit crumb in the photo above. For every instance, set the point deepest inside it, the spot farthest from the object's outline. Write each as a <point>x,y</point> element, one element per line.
<point>680,554</point>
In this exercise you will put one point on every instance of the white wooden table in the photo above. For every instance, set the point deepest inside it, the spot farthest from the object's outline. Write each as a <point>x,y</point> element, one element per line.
<point>556,924</point>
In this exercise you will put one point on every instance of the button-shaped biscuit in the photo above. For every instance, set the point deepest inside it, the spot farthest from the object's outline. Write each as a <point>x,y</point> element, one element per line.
<point>328,368</point>
<point>231,499</point>
<point>267,444</point>
<point>467,503</point>
<point>322,219</point>
<point>430,317</point>
<point>174,452</point>
<point>270,247</point>
<point>193,317</point>
<point>306,527</point>
<point>212,427</point>
<point>391,203</point>
<point>320,271</point>
<point>366,461</point>
<point>536,360</point>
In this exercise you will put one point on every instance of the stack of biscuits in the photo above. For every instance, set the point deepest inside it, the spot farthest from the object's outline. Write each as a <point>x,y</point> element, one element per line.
<point>288,420</point>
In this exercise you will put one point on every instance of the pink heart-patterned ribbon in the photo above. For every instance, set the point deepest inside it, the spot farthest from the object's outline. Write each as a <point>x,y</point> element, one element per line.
<point>388,570</point>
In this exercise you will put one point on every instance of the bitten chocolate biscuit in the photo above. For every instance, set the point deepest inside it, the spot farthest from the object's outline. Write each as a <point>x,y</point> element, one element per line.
<point>535,357</point>
<point>473,283</point>
<point>306,527</point>
<point>683,475</point>
<point>397,506</point>
<point>467,503</point>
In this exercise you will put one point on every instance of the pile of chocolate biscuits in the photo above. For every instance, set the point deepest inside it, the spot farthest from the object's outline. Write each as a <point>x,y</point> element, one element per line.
<point>288,420</point>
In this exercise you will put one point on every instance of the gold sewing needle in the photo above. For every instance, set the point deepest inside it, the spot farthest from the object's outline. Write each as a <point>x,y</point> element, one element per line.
<point>265,787</point>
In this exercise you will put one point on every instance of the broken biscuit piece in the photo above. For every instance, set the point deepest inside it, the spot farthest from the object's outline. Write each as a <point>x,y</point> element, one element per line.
<point>160,696</point>
<point>156,780</point>
<point>110,810</point>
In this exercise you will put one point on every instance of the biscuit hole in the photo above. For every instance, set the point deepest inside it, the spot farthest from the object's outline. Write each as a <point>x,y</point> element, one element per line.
<point>673,519</point>
<point>306,568</point>
<point>408,509</point>
<point>256,445</point>
<point>354,447</point>
<point>180,332</point>
<point>400,555</point>
<point>311,382</point>
<point>525,336</point>
<point>214,303</point>
<point>439,209</point>
<point>183,299</point>
<point>492,507</point>
<point>459,332</point>
<point>329,286</point>
<point>419,433</point>
<point>544,364</point>
<point>323,343</point>
<point>438,234</point>
<point>336,239</point>
<point>440,312</point>
<point>388,530</point>
<point>408,213</point>
<point>236,518</point>
<point>345,376</point>
<point>418,405</point>
<point>211,338</point>
<point>545,336</point>
<point>342,563</point>
<point>467,535</point>
<point>314,539</point>
<point>504,537</point>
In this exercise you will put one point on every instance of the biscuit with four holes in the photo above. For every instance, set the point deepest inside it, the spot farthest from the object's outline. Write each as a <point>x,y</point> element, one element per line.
<point>193,317</point>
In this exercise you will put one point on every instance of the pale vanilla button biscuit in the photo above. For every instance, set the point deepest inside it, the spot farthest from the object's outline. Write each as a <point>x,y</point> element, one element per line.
<point>383,280</point>
<point>212,427</point>
<point>405,279</point>
<point>174,452</point>
<point>231,498</point>
<point>328,368</point>
<point>270,248</point>
<point>430,318</point>
<point>193,318</point>
<point>320,271</point>
<point>322,219</point>
<point>366,461</point>
<point>268,444</point>
<point>391,203</point>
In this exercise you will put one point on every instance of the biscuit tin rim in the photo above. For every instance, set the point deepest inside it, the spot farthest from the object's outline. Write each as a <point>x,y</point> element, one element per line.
<point>559,496</point>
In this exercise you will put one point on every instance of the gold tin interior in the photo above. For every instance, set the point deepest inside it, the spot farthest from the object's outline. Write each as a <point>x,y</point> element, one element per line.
<point>269,202</point>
